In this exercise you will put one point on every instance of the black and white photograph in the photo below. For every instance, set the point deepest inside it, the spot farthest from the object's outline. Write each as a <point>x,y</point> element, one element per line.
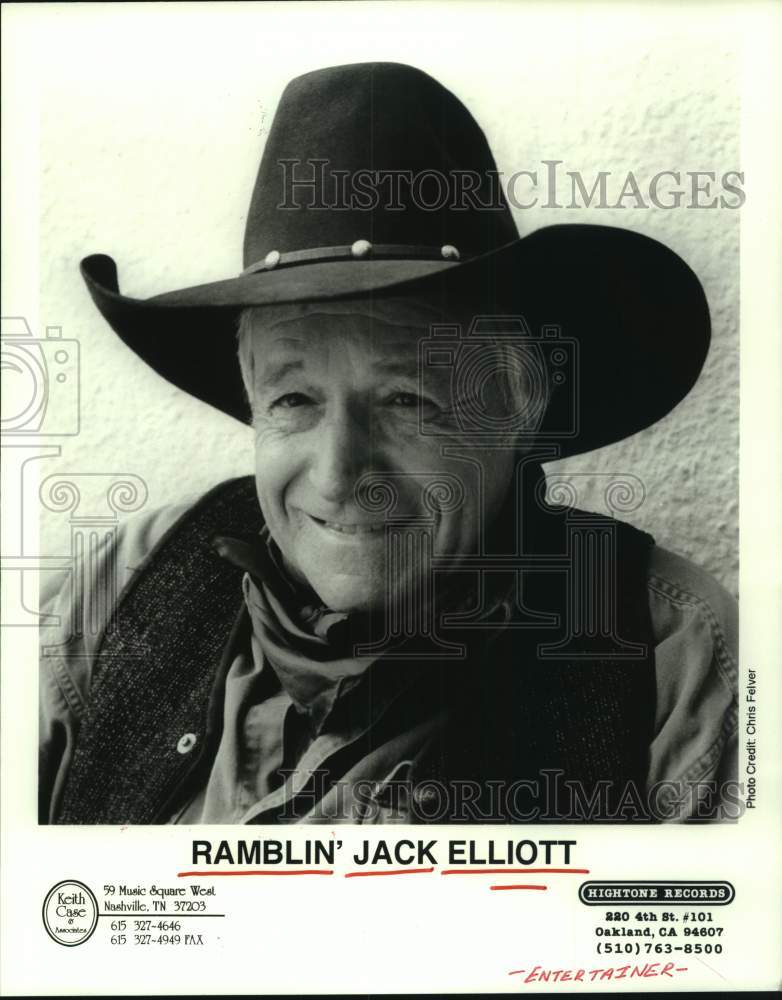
<point>374,377</point>
<point>388,620</point>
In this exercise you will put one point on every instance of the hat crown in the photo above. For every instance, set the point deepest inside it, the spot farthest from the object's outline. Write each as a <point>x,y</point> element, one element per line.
<point>380,152</point>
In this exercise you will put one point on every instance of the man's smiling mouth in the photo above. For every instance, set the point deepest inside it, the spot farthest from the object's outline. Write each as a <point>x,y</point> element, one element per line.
<point>348,529</point>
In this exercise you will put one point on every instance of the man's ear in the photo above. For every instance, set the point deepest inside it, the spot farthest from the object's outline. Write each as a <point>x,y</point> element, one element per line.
<point>246,357</point>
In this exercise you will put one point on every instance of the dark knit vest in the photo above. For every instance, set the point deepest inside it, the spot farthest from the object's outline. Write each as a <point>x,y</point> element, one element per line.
<point>160,669</point>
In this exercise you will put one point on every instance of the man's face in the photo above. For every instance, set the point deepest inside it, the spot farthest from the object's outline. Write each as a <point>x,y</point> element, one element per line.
<point>337,397</point>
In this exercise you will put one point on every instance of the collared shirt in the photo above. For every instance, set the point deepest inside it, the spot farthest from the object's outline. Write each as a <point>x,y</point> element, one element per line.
<point>289,716</point>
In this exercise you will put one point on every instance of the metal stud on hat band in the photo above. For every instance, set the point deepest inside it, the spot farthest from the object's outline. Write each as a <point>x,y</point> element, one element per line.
<point>359,250</point>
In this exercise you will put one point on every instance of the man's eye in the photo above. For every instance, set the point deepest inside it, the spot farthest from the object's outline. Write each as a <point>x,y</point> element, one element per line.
<point>405,399</point>
<point>410,400</point>
<point>291,400</point>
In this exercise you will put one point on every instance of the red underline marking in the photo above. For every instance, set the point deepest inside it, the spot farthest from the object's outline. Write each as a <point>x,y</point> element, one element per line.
<point>302,871</point>
<point>518,887</point>
<point>515,871</point>
<point>394,871</point>
<point>401,871</point>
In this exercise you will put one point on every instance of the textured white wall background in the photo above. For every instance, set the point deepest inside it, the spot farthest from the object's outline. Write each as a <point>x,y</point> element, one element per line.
<point>152,120</point>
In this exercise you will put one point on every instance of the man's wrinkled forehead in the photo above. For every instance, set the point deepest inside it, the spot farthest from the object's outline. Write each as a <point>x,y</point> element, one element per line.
<point>389,331</point>
<point>343,346</point>
<point>405,313</point>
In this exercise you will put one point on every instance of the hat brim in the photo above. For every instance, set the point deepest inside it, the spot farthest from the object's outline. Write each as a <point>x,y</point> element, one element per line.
<point>632,316</point>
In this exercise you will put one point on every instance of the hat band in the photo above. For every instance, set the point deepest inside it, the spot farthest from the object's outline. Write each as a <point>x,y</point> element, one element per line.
<point>360,250</point>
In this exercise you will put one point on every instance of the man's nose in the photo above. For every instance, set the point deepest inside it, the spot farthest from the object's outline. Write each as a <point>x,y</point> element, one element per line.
<point>341,455</point>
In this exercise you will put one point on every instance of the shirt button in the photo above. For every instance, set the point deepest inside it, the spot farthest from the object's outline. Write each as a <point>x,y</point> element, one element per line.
<point>186,743</point>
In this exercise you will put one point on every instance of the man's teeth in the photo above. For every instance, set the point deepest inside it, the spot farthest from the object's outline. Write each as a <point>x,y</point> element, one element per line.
<point>353,529</point>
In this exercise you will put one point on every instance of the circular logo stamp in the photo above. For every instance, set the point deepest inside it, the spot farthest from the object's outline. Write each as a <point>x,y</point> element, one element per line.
<point>70,913</point>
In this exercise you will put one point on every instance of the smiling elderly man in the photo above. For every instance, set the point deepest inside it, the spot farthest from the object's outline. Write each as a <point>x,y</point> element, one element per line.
<point>390,623</point>
<point>335,392</point>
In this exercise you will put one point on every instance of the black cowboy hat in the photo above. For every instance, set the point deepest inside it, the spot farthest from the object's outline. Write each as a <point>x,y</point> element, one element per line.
<point>376,182</point>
